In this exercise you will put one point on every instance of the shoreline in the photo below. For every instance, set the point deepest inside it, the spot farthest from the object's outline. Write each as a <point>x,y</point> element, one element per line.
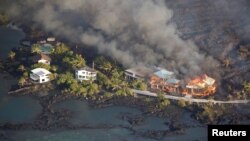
<point>51,119</point>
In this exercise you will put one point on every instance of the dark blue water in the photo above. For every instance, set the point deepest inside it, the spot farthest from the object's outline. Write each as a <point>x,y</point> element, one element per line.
<point>9,38</point>
<point>26,109</point>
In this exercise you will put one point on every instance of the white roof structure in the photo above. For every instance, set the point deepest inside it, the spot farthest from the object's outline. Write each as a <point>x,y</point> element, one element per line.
<point>209,81</point>
<point>40,71</point>
<point>201,82</point>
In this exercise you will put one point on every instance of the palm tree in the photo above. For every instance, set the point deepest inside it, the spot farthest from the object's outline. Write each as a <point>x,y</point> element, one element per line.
<point>74,61</point>
<point>81,90</point>
<point>36,48</point>
<point>12,55</point>
<point>21,81</point>
<point>21,68</point>
<point>162,101</point>
<point>106,66</point>
<point>78,61</point>
<point>92,88</point>
<point>124,91</point>
<point>246,86</point>
<point>52,76</point>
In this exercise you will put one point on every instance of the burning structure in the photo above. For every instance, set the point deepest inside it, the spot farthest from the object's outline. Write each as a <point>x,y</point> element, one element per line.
<point>164,80</point>
<point>200,86</point>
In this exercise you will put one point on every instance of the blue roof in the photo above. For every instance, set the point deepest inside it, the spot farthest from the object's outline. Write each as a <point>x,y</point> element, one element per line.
<point>164,74</point>
<point>173,81</point>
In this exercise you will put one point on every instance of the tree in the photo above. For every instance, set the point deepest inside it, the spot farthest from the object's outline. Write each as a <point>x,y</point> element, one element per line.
<point>12,55</point>
<point>182,103</point>
<point>210,113</point>
<point>21,68</point>
<point>246,86</point>
<point>92,89</point>
<point>67,78</point>
<point>124,91</point>
<point>54,68</point>
<point>162,101</point>
<point>230,97</point>
<point>36,48</point>
<point>52,76</point>
<point>139,84</point>
<point>74,61</point>
<point>25,74</point>
<point>107,95</point>
<point>41,65</point>
<point>103,64</point>
<point>103,80</point>
<point>70,84</point>
<point>61,49</point>
<point>21,81</point>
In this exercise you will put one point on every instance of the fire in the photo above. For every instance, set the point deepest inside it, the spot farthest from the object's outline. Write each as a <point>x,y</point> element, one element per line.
<point>199,81</point>
<point>200,86</point>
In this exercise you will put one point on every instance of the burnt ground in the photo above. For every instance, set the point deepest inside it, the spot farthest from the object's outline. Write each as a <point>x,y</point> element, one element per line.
<point>221,29</point>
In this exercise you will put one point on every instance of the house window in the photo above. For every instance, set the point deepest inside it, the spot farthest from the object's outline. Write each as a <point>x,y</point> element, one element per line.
<point>43,80</point>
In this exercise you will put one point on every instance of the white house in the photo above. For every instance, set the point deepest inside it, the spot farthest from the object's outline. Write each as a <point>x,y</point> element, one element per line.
<point>40,75</point>
<point>85,73</point>
<point>42,58</point>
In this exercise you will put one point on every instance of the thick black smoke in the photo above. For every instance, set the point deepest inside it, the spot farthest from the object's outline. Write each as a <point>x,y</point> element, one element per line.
<point>133,32</point>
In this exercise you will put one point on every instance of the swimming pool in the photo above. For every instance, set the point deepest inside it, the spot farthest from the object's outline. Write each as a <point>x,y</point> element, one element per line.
<point>47,48</point>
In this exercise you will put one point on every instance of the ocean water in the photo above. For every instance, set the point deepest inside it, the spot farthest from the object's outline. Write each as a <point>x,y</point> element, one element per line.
<point>13,109</point>
<point>9,38</point>
<point>25,109</point>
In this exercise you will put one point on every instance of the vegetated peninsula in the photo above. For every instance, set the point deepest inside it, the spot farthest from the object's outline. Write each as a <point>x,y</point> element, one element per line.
<point>137,62</point>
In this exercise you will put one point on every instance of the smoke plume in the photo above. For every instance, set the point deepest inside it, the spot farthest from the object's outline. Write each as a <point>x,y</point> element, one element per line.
<point>134,32</point>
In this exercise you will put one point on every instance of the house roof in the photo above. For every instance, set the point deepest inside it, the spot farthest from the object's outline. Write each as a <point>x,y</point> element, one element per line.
<point>164,74</point>
<point>41,56</point>
<point>86,69</point>
<point>201,82</point>
<point>40,71</point>
<point>140,71</point>
<point>173,81</point>
<point>209,81</point>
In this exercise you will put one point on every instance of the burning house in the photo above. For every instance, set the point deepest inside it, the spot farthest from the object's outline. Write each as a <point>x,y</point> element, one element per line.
<point>164,80</point>
<point>200,86</point>
<point>159,79</point>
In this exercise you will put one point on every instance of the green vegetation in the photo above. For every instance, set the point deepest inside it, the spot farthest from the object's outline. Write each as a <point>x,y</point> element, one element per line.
<point>139,84</point>
<point>41,65</point>
<point>21,68</point>
<point>61,49</point>
<point>162,102</point>
<point>36,48</point>
<point>12,55</point>
<point>74,61</point>
<point>21,81</point>
<point>246,86</point>
<point>182,103</point>
<point>210,113</point>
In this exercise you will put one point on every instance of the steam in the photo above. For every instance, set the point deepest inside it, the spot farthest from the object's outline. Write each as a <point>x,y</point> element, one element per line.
<point>134,32</point>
